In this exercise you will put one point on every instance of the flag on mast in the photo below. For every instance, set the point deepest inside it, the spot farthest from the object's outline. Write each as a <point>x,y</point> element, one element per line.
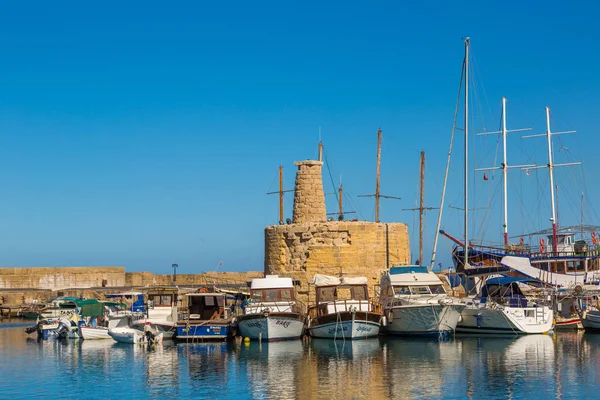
<point>485,178</point>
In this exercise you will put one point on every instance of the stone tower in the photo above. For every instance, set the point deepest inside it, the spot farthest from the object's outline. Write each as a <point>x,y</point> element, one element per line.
<point>312,245</point>
<point>309,199</point>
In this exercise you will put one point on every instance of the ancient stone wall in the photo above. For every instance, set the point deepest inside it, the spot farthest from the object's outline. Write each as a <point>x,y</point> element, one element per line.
<point>356,248</point>
<point>309,199</point>
<point>61,277</point>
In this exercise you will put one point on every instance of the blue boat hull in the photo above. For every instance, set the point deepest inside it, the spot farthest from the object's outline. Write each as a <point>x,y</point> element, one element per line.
<point>203,332</point>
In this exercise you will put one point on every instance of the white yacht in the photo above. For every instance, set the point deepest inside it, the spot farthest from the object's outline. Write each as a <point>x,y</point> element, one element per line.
<point>415,302</point>
<point>273,313</point>
<point>504,306</point>
<point>342,310</point>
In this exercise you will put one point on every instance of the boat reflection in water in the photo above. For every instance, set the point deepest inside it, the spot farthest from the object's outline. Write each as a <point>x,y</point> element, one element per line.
<point>274,368</point>
<point>208,367</point>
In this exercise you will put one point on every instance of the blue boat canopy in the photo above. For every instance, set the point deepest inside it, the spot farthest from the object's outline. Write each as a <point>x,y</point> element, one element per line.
<point>506,280</point>
<point>407,269</point>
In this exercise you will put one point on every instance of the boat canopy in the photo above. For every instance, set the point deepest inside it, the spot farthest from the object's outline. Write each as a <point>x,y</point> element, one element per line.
<point>506,280</point>
<point>92,310</point>
<point>271,282</point>
<point>407,269</point>
<point>412,275</point>
<point>326,280</point>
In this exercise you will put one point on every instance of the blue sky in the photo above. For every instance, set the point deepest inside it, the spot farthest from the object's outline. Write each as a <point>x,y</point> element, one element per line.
<point>141,134</point>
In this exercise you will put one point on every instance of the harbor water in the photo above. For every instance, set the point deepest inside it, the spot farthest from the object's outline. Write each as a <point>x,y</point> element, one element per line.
<point>560,366</point>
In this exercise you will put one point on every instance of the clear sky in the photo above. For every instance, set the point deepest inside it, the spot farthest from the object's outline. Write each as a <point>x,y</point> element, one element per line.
<point>147,133</point>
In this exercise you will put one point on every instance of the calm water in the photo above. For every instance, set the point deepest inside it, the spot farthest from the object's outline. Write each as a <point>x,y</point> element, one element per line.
<point>561,366</point>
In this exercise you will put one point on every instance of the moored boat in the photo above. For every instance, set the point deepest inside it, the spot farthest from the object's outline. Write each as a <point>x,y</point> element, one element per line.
<point>204,316</point>
<point>414,302</point>
<point>273,313</point>
<point>343,309</point>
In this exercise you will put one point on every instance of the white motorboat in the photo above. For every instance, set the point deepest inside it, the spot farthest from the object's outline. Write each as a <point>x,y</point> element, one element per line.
<point>273,312</point>
<point>128,327</point>
<point>342,310</point>
<point>502,307</point>
<point>415,302</point>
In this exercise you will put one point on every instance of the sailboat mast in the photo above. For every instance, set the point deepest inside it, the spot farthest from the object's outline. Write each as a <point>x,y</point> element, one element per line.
<point>551,171</point>
<point>466,248</point>
<point>281,194</point>
<point>377,181</point>
<point>421,208</point>
<point>504,171</point>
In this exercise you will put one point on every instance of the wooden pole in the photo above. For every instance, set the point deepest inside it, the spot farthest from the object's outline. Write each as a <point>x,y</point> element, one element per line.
<point>421,208</point>
<point>377,183</point>
<point>340,193</point>
<point>281,194</point>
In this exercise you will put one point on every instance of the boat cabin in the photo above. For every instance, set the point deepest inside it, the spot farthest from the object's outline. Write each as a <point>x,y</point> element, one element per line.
<point>410,280</point>
<point>334,295</point>
<point>273,292</point>
<point>565,243</point>
<point>509,290</point>
<point>204,307</point>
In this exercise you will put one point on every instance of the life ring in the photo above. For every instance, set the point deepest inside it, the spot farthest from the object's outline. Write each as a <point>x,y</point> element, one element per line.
<point>203,290</point>
<point>542,246</point>
<point>594,238</point>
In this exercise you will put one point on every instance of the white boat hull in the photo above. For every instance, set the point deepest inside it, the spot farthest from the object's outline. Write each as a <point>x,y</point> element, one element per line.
<point>505,320</point>
<point>283,326</point>
<point>355,329</point>
<point>90,333</point>
<point>131,336</point>
<point>423,319</point>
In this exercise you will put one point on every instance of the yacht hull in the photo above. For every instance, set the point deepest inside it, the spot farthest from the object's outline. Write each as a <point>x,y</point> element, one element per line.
<point>486,320</point>
<point>423,319</point>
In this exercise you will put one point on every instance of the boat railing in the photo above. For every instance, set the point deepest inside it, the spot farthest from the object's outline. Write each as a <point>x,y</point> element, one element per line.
<point>336,306</point>
<point>295,306</point>
<point>525,250</point>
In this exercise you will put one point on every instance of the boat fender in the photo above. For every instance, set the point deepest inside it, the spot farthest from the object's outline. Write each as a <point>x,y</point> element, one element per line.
<point>390,316</point>
<point>383,321</point>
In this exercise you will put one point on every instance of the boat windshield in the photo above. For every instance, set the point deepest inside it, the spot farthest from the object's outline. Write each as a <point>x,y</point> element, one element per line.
<point>432,289</point>
<point>271,295</point>
<point>333,293</point>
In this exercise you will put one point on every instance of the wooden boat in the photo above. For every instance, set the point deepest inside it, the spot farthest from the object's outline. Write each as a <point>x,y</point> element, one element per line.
<point>273,313</point>
<point>343,309</point>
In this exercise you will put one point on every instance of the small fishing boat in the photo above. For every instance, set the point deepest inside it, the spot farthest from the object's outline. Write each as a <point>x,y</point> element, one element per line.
<point>96,319</point>
<point>415,302</point>
<point>272,313</point>
<point>342,310</point>
<point>133,328</point>
<point>204,316</point>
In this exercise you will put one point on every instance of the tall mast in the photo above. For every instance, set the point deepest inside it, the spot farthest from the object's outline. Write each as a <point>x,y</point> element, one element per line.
<point>421,209</point>
<point>551,171</point>
<point>548,135</point>
<point>377,187</point>
<point>466,247</point>
<point>504,167</point>
<point>504,171</point>
<point>281,194</point>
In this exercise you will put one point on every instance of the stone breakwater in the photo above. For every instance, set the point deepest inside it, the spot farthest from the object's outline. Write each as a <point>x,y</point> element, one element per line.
<point>27,285</point>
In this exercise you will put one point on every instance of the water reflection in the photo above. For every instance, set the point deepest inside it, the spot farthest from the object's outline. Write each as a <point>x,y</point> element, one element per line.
<point>562,366</point>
